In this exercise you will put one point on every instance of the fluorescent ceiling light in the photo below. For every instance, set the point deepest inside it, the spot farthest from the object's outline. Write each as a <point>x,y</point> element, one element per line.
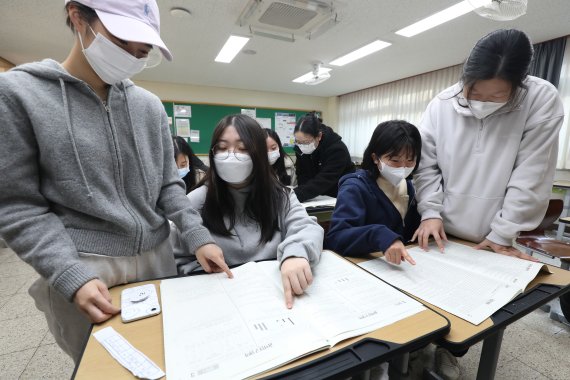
<point>434,20</point>
<point>232,46</point>
<point>309,75</point>
<point>359,53</point>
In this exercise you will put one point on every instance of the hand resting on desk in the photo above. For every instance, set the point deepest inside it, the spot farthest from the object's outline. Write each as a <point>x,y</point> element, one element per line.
<point>427,228</point>
<point>504,250</point>
<point>94,300</point>
<point>434,227</point>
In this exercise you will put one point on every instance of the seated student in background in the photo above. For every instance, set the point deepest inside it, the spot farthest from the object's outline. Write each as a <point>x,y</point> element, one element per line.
<point>250,214</point>
<point>276,156</point>
<point>375,208</point>
<point>322,158</point>
<point>187,162</point>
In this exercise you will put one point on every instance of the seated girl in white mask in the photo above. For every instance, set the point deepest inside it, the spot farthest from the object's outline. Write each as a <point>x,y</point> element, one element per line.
<point>250,214</point>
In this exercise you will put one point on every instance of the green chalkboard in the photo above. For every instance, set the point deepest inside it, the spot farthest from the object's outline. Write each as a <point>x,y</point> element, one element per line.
<point>205,117</point>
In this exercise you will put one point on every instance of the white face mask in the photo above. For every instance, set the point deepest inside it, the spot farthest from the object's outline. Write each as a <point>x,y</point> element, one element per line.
<point>111,63</point>
<point>483,109</point>
<point>183,171</point>
<point>307,148</point>
<point>394,175</point>
<point>273,156</point>
<point>231,169</point>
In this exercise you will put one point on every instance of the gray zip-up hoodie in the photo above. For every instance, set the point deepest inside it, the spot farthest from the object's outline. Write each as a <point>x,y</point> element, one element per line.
<point>78,175</point>
<point>299,236</point>
<point>489,178</point>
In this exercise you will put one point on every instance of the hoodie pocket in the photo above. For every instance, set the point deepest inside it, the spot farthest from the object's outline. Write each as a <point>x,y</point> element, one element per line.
<point>469,217</point>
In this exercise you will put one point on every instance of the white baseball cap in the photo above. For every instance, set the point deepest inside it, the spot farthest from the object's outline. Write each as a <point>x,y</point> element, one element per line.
<point>133,20</point>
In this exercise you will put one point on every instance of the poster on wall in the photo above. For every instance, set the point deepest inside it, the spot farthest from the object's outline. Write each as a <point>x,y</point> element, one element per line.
<point>195,136</point>
<point>182,111</point>
<point>284,126</point>
<point>249,112</point>
<point>183,127</point>
<point>265,122</point>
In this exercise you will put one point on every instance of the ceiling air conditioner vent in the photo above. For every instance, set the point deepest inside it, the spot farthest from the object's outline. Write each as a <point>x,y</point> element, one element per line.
<point>288,20</point>
<point>287,16</point>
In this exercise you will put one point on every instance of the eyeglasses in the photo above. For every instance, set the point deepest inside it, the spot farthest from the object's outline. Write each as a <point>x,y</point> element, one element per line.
<point>222,153</point>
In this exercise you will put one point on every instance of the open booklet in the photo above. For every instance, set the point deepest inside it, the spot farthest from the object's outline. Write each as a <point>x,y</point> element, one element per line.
<point>468,283</point>
<point>320,201</point>
<point>218,328</point>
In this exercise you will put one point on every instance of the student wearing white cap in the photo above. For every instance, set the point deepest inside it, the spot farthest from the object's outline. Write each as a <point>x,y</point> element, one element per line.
<point>88,179</point>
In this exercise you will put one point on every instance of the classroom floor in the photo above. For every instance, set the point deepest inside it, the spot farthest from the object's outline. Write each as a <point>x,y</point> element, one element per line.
<point>535,347</point>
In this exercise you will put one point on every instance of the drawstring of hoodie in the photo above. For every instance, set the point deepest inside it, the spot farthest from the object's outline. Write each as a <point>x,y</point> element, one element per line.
<point>72,137</point>
<point>137,150</point>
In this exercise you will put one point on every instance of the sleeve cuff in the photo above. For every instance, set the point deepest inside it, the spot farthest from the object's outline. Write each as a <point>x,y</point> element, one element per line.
<point>498,239</point>
<point>69,282</point>
<point>295,250</point>
<point>197,238</point>
<point>430,214</point>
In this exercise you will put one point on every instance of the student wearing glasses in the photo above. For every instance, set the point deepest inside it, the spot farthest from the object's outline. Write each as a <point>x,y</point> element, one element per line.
<point>322,158</point>
<point>251,215</point>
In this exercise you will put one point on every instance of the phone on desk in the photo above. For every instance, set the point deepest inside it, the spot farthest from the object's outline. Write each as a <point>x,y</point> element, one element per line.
<point>139,302</point>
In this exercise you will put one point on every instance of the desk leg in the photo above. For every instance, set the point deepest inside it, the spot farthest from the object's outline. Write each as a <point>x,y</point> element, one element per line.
<point>490,356</point>
<point>399,367</point>
<point>560,231</point>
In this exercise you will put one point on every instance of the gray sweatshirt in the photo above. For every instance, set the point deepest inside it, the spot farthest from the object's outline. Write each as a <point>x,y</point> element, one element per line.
<point>489,178</point>
<point>300,235</point>
<point>77,175</point>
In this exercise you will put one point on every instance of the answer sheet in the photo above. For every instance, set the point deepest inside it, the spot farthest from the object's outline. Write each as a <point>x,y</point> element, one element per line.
<point>215,327</point>
<point>468,283</point>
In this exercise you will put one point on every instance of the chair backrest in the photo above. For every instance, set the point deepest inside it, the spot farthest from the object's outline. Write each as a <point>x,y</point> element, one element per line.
<point>552,214</point>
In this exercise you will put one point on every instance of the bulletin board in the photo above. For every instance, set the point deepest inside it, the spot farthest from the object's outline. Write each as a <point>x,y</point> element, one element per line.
<point>199,120</point>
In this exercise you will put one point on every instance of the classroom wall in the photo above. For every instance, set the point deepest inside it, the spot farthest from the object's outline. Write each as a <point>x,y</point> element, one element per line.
<point>249,98</point>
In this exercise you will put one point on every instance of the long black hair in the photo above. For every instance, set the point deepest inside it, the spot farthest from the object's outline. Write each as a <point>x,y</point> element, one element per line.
<point>504,54</point>
<point>181,146</point>
<point>267,196</point>
<point>392,138</point>
<point>279,165</point>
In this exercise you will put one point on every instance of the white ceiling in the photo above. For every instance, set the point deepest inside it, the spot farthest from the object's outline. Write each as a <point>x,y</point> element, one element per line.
<point>35,29</point>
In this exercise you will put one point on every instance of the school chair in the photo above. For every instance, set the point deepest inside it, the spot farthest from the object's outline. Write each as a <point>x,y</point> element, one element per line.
<point>537,241</point>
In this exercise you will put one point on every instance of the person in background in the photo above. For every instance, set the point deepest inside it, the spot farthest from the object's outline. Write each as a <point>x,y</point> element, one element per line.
<point>276,156</point>
<point>489,149</point>
<point>88,179</point>
<point>322,158</point>
<point>187,162</point>
<point>250,214</point>
<point>376,207</point>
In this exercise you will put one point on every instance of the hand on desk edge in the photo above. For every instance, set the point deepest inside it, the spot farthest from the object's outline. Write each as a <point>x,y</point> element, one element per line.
<point>94,300</point>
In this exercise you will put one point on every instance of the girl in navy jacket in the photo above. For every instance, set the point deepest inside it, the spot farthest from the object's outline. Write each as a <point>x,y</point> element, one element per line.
<point>376,207</point>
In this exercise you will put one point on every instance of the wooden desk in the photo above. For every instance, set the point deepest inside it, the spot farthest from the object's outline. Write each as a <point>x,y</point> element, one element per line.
<point>462,334</point>
<point>346,358</point>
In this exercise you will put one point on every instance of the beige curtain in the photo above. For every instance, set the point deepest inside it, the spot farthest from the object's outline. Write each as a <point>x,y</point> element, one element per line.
<point>563,161</point>
<point>360,112</point>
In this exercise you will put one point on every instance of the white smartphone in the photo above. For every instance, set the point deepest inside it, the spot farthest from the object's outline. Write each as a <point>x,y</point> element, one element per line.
<point>139,302</point>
